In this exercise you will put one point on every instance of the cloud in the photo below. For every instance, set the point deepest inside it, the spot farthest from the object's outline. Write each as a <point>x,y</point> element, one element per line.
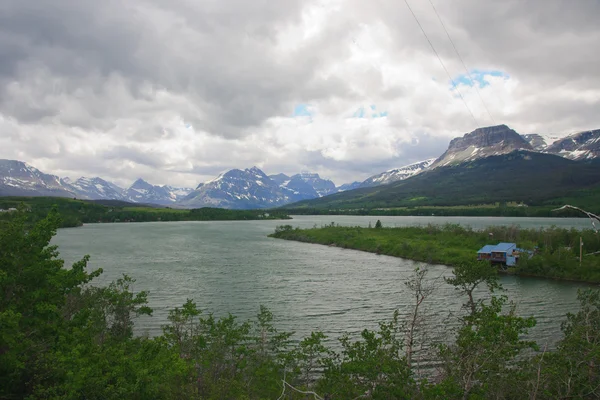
<point>177,92</point>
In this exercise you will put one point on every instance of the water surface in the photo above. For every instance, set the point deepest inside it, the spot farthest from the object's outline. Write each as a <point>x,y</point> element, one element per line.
<point>234,267</point>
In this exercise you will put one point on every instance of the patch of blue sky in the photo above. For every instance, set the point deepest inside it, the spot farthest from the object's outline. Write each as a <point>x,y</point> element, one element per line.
<point>478,76</point>
<point>302,110</point>
<point>362,113</point>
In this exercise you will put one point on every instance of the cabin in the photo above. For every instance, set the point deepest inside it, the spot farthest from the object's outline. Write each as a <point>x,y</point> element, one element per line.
<point>485,253</point>
<point>502,253</point>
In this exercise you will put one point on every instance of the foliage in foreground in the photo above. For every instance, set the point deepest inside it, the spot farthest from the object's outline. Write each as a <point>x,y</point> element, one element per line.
<point>557,249</point>
<point>62,338</point>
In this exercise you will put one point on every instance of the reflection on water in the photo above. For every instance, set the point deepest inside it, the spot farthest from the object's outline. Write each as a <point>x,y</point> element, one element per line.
<point>234,267</point>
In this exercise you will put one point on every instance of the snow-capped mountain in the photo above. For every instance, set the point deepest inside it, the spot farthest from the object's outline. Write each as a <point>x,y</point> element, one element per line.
<point>481,143</point>
<point>21,179</point>
<point>239,189</point>
<point>578,146</point>
<point>280,179</point>
<point>252,188</point>
<point>305,185</point>
<point>96,189</point>
<point>349,186</point>
<point>538,142</point>
<point>397,174</point>
<point>143,192</point>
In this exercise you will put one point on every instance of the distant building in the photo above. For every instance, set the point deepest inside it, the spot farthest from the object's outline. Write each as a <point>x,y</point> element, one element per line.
<point>485,253</point>
<point>502,253</point>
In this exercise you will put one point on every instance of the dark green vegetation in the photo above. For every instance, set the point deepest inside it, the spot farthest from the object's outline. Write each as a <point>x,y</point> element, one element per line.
<point>78,212</point>
<point>539,181</point>
<point>61,338</point>
<point>557,249</point>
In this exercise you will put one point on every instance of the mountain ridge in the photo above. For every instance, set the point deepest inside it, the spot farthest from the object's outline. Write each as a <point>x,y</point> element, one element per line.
<point>252,188</point>
<point>481,143</point>
<point>522,176</point>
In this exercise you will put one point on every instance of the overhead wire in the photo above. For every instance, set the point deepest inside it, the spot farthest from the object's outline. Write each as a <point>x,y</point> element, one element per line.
<point>442,63</point>
<point>462,61</point>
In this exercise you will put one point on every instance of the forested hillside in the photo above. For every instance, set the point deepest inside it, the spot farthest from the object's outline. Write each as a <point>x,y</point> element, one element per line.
<point>533,179</point>
<point>78,212</point>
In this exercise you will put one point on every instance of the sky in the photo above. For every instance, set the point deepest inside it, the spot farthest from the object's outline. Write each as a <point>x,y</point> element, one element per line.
<point>177,92</point>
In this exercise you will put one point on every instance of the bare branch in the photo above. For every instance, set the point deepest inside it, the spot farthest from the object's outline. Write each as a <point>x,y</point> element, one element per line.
<point>285,384</point>
<point>591,216</point>
<point>539,373</point>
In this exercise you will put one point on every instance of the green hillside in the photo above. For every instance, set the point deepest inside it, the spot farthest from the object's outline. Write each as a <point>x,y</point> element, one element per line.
<point>532,179</point>
<point>77,212</point>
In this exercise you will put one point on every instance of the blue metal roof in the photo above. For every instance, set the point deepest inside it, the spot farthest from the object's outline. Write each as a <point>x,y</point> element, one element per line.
<point>486,249</point>
<point>504,247</point>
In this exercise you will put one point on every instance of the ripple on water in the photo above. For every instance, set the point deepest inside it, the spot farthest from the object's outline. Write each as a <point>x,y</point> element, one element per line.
<point>233,267</point>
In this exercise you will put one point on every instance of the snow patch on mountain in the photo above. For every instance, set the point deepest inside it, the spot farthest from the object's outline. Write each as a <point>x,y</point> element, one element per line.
<point>398,174</point>
<point>481,143</point>
<point>578,146</point>
<point>97,189</point>
<point>21,179</point>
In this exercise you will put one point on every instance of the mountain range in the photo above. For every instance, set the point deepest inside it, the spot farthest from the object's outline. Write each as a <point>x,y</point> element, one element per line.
<point>21,179</point>
<point>252,188</point>
<point>521,176</point>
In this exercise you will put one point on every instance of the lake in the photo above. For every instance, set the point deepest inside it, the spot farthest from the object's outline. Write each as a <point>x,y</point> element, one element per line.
<point>234,267</point>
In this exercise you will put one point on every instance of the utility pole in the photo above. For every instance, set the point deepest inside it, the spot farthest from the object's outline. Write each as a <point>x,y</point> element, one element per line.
<point>580,249</point>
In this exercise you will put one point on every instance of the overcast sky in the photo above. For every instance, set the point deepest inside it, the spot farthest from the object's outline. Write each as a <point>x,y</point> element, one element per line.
<point>178,91</point>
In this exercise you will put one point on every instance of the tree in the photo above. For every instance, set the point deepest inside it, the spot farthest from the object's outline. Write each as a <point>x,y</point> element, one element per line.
<point>421,289</point>
<point>467,278</point>
<point>488,340</point>
<point>371,367</point>
<point>34,287</point>
<point>573,370</point>
<point>378,225</point>
<point>479,362</point>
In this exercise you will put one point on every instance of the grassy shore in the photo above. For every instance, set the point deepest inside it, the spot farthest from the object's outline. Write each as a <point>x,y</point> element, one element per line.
<point>557,254</point>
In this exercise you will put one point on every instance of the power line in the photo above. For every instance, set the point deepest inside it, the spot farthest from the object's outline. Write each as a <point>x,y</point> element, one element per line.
<point>442,63</point>
<point>462,62</point>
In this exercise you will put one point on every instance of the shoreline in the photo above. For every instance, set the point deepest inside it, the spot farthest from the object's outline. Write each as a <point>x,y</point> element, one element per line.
<point>501,272</point>
<point>453,245</point>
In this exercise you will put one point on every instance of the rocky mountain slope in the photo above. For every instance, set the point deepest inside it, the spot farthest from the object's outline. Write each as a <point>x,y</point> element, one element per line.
<point>349,186</point>
<point>249,188</point>
<point>579,146</point>
<point>305,184</point>
<point>397,174</point>
<point>538,142</point>
<point>96,189</point>
<point>252,188</point>
<point>143,192</point>
<point>21,179</point>
<point>239,189</point>
<point>481,143</point>
<point>520,176</point>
